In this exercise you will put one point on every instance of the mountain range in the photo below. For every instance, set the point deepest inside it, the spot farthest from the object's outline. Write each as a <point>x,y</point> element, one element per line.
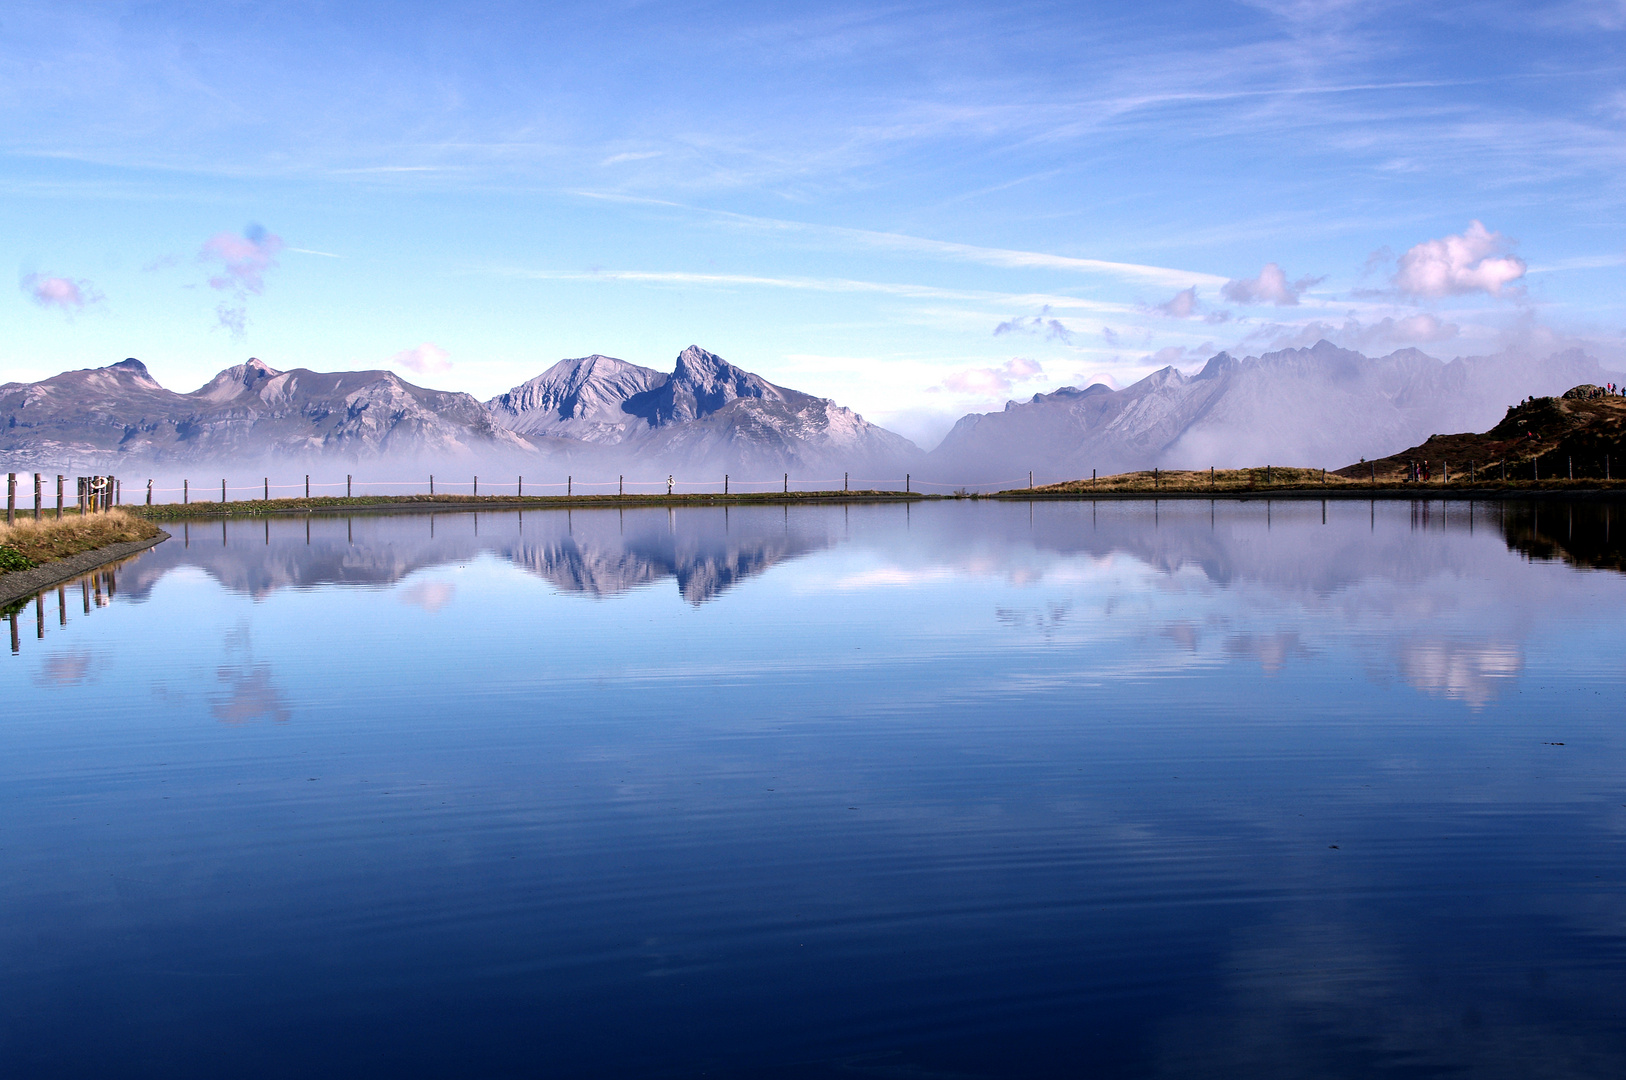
<point>1319,406</point>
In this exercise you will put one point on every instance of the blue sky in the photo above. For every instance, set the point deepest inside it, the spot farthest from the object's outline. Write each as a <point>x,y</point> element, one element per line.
<point>918,210</point>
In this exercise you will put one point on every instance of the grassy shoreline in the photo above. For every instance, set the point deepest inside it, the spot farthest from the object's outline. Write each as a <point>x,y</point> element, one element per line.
<point>27,543</point>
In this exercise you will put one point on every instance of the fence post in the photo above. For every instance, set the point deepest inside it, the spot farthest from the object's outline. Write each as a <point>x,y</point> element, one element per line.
<point>431,483</point>
<point>519,491</point>
<point>669,483</point>
<point>906,483</point>
<point>1571,466</point>
<point>118,491</point>
<point>59,495</point>
<point>11,498</point>
<point>620,486</point>
<point>222,492</point>
<point>186,492</point>
<point>307,485</point>
<point>37,496</point>
<point>347,485</point>
<point>787,483</point>
<point>1030,479</point>
<point>725,483</point>
<point>477,485</point>
<point>570,485</point>
<point>265,488</point>
<point>844,481</point>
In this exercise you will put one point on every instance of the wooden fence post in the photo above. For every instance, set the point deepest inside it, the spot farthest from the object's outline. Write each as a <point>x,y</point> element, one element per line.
<point>186,492</point>
<point>787,483</point>
<point>222,492</point>
<point>347,485</point>
<point>906,483</point>
<point>11,498</point>
<point>37,498</point>
<point>307,485</point>
<point>59,495</point>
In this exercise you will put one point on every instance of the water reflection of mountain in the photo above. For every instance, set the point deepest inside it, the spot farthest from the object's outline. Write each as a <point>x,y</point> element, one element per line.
<point>600,553</point>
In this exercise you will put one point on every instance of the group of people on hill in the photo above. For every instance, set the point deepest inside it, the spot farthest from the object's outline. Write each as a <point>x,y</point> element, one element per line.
<point>1418,472</point>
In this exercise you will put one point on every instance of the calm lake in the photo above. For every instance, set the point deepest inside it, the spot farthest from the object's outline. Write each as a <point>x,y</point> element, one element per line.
<point>962,789</point>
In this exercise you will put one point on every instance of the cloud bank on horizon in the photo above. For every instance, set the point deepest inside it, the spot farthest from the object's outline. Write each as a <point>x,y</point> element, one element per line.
<point>916,212</point>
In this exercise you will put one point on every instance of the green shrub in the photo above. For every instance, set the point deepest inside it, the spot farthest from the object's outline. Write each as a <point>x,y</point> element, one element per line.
<point>12,559</point>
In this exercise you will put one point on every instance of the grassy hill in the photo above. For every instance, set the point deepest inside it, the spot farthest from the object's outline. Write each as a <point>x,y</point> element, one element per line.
<point>1545,438</point>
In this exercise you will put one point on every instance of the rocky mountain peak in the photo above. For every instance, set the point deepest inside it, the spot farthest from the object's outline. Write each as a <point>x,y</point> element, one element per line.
<point>242,379</point>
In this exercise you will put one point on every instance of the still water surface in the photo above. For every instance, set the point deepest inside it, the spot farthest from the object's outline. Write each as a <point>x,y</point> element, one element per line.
<point>956,790</point>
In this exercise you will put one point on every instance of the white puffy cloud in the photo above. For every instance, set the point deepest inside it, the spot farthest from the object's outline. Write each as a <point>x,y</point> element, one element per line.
<point>1473,261</point>
<point>424,359</point>
<point>1053,329</point>
<point>244,259</point>
<point>999,380</point>
<point>1182,305</point>
<point>1270,287</point>
<point>59,292</point>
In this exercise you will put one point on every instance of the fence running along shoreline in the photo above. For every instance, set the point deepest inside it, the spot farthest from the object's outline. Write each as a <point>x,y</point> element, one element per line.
<point>97,493</point>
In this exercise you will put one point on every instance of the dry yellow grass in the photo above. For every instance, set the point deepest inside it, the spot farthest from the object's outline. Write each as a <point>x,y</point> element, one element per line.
<point>1261,479</point>
<point>48,539</point>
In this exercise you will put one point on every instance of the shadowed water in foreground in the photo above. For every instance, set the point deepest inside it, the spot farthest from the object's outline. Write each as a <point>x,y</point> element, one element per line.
<point>960,789</point>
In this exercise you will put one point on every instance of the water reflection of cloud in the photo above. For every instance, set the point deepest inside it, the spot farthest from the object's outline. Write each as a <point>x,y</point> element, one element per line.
<point>1327,999</point>
<point>66,669</point>
<point>1466,671</point>
<point>429,595</point>
<point>1271,650</point>
<point>249,693</point>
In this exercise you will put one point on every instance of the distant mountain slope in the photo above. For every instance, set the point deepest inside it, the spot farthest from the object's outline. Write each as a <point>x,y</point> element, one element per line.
<point>706,414</point>
<point>1322,406</point>
<point>604,415</point>
<point>101,415</point>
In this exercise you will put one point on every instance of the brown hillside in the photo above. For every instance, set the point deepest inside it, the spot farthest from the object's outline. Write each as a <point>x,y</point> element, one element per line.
<point>1540,437</point>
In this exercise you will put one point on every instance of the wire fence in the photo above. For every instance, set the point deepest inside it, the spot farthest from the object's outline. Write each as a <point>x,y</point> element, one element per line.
<point>314,487</point>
